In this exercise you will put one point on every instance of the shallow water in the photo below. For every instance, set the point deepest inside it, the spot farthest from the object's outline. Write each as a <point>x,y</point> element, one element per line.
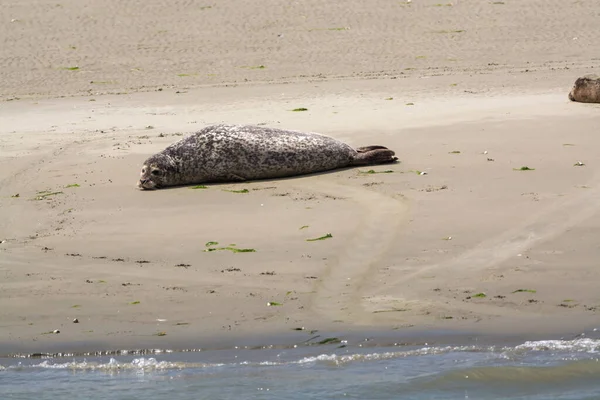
<point>558,369</point>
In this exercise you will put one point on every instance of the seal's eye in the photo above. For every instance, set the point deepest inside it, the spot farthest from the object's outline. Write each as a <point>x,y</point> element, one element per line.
<point>156,172</point>
<point>143,170</point>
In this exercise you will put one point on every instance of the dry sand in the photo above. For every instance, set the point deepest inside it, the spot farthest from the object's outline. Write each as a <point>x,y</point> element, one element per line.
<point>466,91</point>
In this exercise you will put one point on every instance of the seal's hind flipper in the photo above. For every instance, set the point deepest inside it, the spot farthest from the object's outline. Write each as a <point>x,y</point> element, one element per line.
<point>370,148</point>
<point>378,155</point>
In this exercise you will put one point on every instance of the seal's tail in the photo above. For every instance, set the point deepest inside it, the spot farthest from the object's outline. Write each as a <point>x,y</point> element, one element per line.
<point>370,155</point>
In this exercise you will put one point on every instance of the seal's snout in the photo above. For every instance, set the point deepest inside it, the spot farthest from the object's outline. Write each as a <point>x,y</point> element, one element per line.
<point>146,184</point>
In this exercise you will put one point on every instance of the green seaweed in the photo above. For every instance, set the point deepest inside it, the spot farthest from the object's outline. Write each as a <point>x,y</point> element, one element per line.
<point>253,66</point>
<point>410,104</point>
<point>230,248</point>
<point>273,303</point>
<point>160,334</point>
<point>300,109</point>
<point>390,98</point>
<point>327,236</point>
<point>480,295</point>
<point>70,68</point>
<point>199,187</point>
<point>72,185</point>
<point>134,302</point>
<point>525,291</point>
<point>45,194</point>
<point>237,191</point>
<point>303,227</point>
<point>454,152</point>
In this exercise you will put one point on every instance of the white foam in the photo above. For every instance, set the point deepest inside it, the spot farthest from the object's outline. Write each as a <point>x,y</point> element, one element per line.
<point>577,345</point>
<point>138,364</point>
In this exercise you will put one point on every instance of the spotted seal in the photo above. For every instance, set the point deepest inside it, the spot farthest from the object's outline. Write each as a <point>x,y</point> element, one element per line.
<point>235,153</point>
<point>586,90</point>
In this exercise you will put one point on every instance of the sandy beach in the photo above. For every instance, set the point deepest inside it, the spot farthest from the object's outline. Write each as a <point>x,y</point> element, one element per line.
<point>456,236</point>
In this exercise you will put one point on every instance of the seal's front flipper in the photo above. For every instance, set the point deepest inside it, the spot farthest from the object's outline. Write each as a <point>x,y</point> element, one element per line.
<point>378,155</point>
<point>235,178</point>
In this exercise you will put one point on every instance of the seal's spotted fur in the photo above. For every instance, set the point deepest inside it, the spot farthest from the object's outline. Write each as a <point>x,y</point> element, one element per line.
<point>222,153</point>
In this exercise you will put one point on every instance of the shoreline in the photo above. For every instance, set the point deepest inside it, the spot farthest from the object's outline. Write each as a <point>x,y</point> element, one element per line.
<point>353,336</point>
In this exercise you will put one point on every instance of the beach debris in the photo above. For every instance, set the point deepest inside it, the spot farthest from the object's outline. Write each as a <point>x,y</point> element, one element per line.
<point>230,269</point>
<point>490,159</point>
<point>183,265</point>
<point>578,164</point>
<point>372,171</point>
<point>160,334</point>
<point>161,320</point>
<point>327,236</point>
<point>75,321</point>
<point>273,303</point>
<point>330,340</point>
<point>16,195</point>
<point>435,189</point>
<point>56,331</point>
<point>447,238</point>
<point>298,329</point>
<point>524,168</point>
<point>271,273</point>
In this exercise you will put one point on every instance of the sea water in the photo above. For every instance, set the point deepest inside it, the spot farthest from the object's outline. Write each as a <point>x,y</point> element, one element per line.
<point>337,369</point>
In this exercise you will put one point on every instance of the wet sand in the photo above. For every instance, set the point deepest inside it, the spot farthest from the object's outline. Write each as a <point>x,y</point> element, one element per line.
<point>475,244</point>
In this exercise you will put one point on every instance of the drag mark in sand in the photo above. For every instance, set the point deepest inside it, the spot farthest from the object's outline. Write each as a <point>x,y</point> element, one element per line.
<point>339,294</point>
<point>550,222</point>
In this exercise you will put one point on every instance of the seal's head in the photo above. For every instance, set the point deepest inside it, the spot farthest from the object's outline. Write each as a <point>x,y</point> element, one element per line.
<point>586,90</point>
<point>156,172</point>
